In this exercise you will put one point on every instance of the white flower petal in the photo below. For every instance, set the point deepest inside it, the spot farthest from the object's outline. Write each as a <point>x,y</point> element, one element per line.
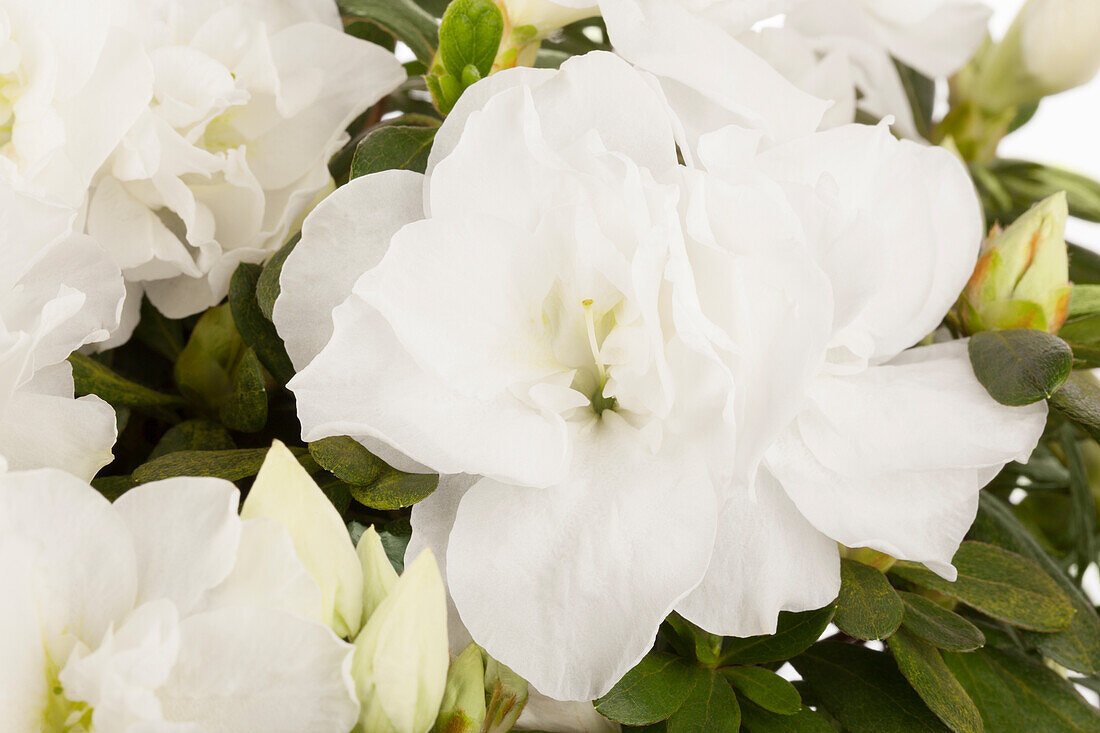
<point>72,435</point>
<point>585,571</point>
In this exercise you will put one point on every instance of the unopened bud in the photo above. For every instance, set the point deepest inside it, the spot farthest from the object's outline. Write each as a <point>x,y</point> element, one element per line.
<point>463,706</point>
<point>539,18</point>
<point>507,695</point>
<point>379,577</point>
<point>1022,277</point>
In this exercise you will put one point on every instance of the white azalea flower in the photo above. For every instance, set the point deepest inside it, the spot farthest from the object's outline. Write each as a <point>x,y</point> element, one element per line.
<point>608,349</point>
<point>250,100</point>
<point>60,292</point>
<point>71,84</point>
<point>162,612</point>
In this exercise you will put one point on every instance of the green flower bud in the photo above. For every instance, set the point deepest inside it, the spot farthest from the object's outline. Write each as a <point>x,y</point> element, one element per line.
<point>379,577</point>
<point>507,694</point>
<point>463,706</point>
<point>1022,276</point>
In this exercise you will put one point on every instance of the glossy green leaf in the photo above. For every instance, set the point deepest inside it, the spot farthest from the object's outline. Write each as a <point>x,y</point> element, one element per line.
<point>939,627</point>
<point>1014,693</point>
<point>650,692</point>
<point>794,632</point>
<point>710,707</point>
<point>1078,645</point>
<point>395,489</point>
<point>864,690</point>
<point>347,458</point>
<point>403,19</point>
<point>404,147</point>
<point>267,286</point>
<point>1000,584</point>
<point>246,408</point>
<point>1020,366</point>
<point>194,435</point>
<point>257,331</point>
<point>755,719</point>
<point>921,664</point>
<point>868,607</point>
<point>93,377</point>
<point>469,35</point>
<point>765,688</point>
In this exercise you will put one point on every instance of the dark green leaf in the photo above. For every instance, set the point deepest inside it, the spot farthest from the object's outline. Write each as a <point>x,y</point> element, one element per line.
<point>337,491</point>
<point>395,538</point>
<point>864,690</point>
<point>1079,400</point>
<point>1014,693</point>
<point>202,371</point>
<point>794,633</point>
<point>232,465</point>
<point>1084,507</point>
<point>194,435</point>
<point>346,458</point>
<point>1078,645</point>
<point>936,625</point>
<point>1020,366</point>
<point>1000,584</point>
<point>757,720</point>
<point>651,692</point>
<point>246,408</point>
<point>922,665</point>
<point>161,334</point>
<point>868,607</point>
<point>403,147</point>
<point>267,287</point>
<point>113,487</point>
<point>710,707</point>
<point>257,330</point>
<point>765,688</point>
<point>403,19</point>
<point>470,35</point>
<point>1026,182</point>
<point>921,92</point>
<point>92,377</point>
<point>1084,265</point>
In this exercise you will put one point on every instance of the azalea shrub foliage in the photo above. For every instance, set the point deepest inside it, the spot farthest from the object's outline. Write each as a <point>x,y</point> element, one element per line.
<point>554,365</point>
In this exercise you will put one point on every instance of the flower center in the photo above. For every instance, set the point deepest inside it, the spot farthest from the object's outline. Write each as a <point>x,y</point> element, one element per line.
<point>60,714</point>
<point>597,398</point>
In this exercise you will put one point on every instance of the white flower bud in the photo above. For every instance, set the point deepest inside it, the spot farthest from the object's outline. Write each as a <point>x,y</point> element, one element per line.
<point>379,576</point>
<point>545,16</point>
<point>1059,42</point>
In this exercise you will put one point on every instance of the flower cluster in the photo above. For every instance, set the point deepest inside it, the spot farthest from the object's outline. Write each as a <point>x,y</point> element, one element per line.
<point>578,373</point>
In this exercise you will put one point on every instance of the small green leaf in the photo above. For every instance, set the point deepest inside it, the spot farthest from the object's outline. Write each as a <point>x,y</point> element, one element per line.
<point>112,487</point>
<point>161,334</point>
<point>710,707</point>
<point>200,435</point>
<point>794,633</point>
<point>395,538</point>
<point>404,147</point>
<point>765,688</point>
<point>863,689</point>
<point>231,465</point>
<point>256,329</point>
<point>1084,300</point>
<point>939,627</point>
<point>922,665</point>
<point>403,19</point>
<point>1014,693</point>
<point>202,371</point>
<point>755,719</point>
<point>246,408</point>
<point>347,459</point>
<point>868,607</point>
<point>93,377</point>
<point>1000,584</point>
<point>470,34</point>
<point>1078,645</point>
<point>395,489</point>
<point>1020,366</point>
<point>650,692</point>
<point>1079,400</point>
<point>267,287</point>
<point>1084,265</point>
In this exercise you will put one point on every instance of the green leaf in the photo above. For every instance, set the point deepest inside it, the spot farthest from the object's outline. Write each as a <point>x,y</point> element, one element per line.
<point>1026,182</point>
<point>470,34</point>
<point>757,720</point>
<point>1084,300</point>
<point>347,459</point>
<point>765,688</point>
<point>395,538</point>
<point>395,489</point>
<point>1078,645</point>
<point>202,371</point>
<point>403,19</point>
<point>246,408</point>
<point>267,287</point>
<point>939,627</point>
<point>403,147</point>
<point>922,665</point>
<point>1084,507</point>
<point>93,377</point>
<point>794,633</point>
<point>256,329</point>
<point>650,692</point>
<point>161,334</point>
<point>112,487</point>
<point>921,92</point>
<point>1000,584</point>
<point>1015,694</point>
<point>868,607</point>
<point>1079,400</point>
<point>1020,366</point>
<point>710,707</point>
<point>864,690</point>
<point>231,465</point>
<point>1084,265</point>
<point>195,435</point>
